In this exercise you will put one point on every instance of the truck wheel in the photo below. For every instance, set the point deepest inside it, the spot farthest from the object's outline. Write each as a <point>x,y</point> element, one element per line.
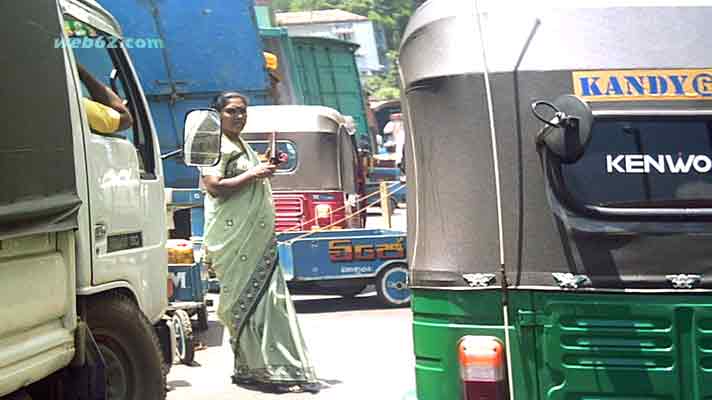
<point>203,318</point>
<point>185,344</point>
<point>392,285</point>
<point>130,348</point>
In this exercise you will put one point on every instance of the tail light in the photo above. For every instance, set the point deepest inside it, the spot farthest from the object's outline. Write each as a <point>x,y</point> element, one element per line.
<point>482,368</point>
<point>323,215</point>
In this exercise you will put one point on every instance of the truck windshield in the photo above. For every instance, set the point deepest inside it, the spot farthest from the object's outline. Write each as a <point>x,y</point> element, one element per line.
<point>645,162</point>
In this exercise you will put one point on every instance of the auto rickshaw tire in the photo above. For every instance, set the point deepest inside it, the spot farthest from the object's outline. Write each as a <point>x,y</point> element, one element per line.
<point>203,318</point>
<point>185,341</point>
<point>392,285</point>
<point>130,348</point>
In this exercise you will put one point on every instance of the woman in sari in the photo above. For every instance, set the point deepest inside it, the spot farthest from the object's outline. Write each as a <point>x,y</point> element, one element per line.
<point>240,243</point>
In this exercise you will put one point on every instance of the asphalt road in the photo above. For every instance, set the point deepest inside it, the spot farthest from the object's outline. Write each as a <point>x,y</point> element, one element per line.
<point>360,349</point>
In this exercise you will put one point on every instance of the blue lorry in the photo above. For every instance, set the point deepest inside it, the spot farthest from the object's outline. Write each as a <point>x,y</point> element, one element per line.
<point>207,46</point>
<point>204,47</point>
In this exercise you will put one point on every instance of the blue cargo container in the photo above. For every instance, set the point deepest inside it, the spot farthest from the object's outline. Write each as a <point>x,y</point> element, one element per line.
<point>208,46</point>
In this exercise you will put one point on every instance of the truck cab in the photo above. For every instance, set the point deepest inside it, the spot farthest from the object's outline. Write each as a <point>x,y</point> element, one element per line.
<point>83,266</point>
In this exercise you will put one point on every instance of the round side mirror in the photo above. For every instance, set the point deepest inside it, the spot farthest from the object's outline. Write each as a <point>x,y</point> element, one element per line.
<point>568,126</point>
<point>202,134</point>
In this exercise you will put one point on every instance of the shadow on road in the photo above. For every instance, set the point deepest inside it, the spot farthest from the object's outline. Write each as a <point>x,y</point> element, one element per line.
<point>338,304</point>
<point>214,336</point>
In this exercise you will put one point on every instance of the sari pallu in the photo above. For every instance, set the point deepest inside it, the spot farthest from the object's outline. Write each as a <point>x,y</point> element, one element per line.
<point>255,305</point>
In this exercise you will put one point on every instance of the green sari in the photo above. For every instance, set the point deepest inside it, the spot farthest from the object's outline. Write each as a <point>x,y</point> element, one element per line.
<point>255,304</point>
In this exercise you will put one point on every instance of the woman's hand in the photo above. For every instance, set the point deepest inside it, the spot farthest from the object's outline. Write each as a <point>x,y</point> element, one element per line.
<point>262,170</point>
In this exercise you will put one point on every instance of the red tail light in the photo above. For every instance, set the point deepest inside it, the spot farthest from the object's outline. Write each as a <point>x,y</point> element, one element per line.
<point>482,368</point>
<point>323,215</point>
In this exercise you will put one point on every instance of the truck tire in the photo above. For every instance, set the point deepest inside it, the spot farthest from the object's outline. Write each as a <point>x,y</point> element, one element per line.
<point>130,348</point>
<point>185,342</point>
<point>392,285</point>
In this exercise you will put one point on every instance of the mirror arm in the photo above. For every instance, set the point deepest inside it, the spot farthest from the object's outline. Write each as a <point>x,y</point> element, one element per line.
<point>171,154</point>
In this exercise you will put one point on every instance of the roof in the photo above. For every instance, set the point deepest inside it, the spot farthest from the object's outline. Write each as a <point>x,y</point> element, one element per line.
<point>317,17</point>
<point>591,31</point>
<point>292,118</point>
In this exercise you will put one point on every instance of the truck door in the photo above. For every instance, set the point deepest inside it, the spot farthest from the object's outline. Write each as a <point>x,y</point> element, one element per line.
<point>124,178</point>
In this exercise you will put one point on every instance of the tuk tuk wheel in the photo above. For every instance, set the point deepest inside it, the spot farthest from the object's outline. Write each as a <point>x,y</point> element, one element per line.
<point>185,344</point>
<point>392,285</point>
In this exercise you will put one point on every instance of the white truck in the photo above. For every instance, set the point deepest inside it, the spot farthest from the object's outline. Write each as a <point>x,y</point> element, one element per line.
<point>83,265</point>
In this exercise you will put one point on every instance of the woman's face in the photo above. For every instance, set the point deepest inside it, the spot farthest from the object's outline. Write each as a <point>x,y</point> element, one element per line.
<point>233,117</point>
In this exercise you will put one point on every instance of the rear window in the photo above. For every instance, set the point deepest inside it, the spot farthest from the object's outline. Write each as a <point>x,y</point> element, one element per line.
<point>646,162</point>
<point>283,146</point>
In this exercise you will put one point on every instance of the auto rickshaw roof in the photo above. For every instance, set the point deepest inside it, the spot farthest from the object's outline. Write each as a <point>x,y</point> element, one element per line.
<point>293,118</point>
<point>561,35</point>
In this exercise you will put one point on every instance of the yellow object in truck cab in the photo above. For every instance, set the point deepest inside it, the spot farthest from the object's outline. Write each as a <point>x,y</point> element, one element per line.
<point>180,251</point>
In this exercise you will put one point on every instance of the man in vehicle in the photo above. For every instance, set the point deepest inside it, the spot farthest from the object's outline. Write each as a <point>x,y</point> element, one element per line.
<point>106,111</point>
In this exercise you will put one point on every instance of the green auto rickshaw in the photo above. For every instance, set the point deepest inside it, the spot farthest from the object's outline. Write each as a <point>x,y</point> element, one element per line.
<point>560,227</point>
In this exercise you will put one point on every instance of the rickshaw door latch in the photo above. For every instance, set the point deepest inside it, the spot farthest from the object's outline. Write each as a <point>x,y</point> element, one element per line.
<point>570,281</point>
<point>684,281</point>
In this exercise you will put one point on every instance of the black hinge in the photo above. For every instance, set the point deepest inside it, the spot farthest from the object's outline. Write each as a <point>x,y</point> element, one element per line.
<point>532,318</point>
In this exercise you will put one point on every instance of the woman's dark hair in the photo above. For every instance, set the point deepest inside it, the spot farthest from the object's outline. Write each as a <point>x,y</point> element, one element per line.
<point>221,100</point>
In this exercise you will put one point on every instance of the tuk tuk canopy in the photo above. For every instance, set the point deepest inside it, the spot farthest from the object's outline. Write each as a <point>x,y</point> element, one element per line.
<point>322,152</point>
<point>487,196</point>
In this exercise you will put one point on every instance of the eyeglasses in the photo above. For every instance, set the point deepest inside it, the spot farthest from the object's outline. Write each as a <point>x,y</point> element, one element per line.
<point>236,110</point>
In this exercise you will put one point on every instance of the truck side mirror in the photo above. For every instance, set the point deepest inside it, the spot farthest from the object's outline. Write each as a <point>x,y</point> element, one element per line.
<point>202,138</point>
<point>567,128</point>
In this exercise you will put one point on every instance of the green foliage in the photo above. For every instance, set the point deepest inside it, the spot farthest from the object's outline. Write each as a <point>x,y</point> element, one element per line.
<point>384,86</point>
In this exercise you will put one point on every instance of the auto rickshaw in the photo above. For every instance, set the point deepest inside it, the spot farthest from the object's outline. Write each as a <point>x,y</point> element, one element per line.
<point>560,229</point>
<point>315,186</point>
